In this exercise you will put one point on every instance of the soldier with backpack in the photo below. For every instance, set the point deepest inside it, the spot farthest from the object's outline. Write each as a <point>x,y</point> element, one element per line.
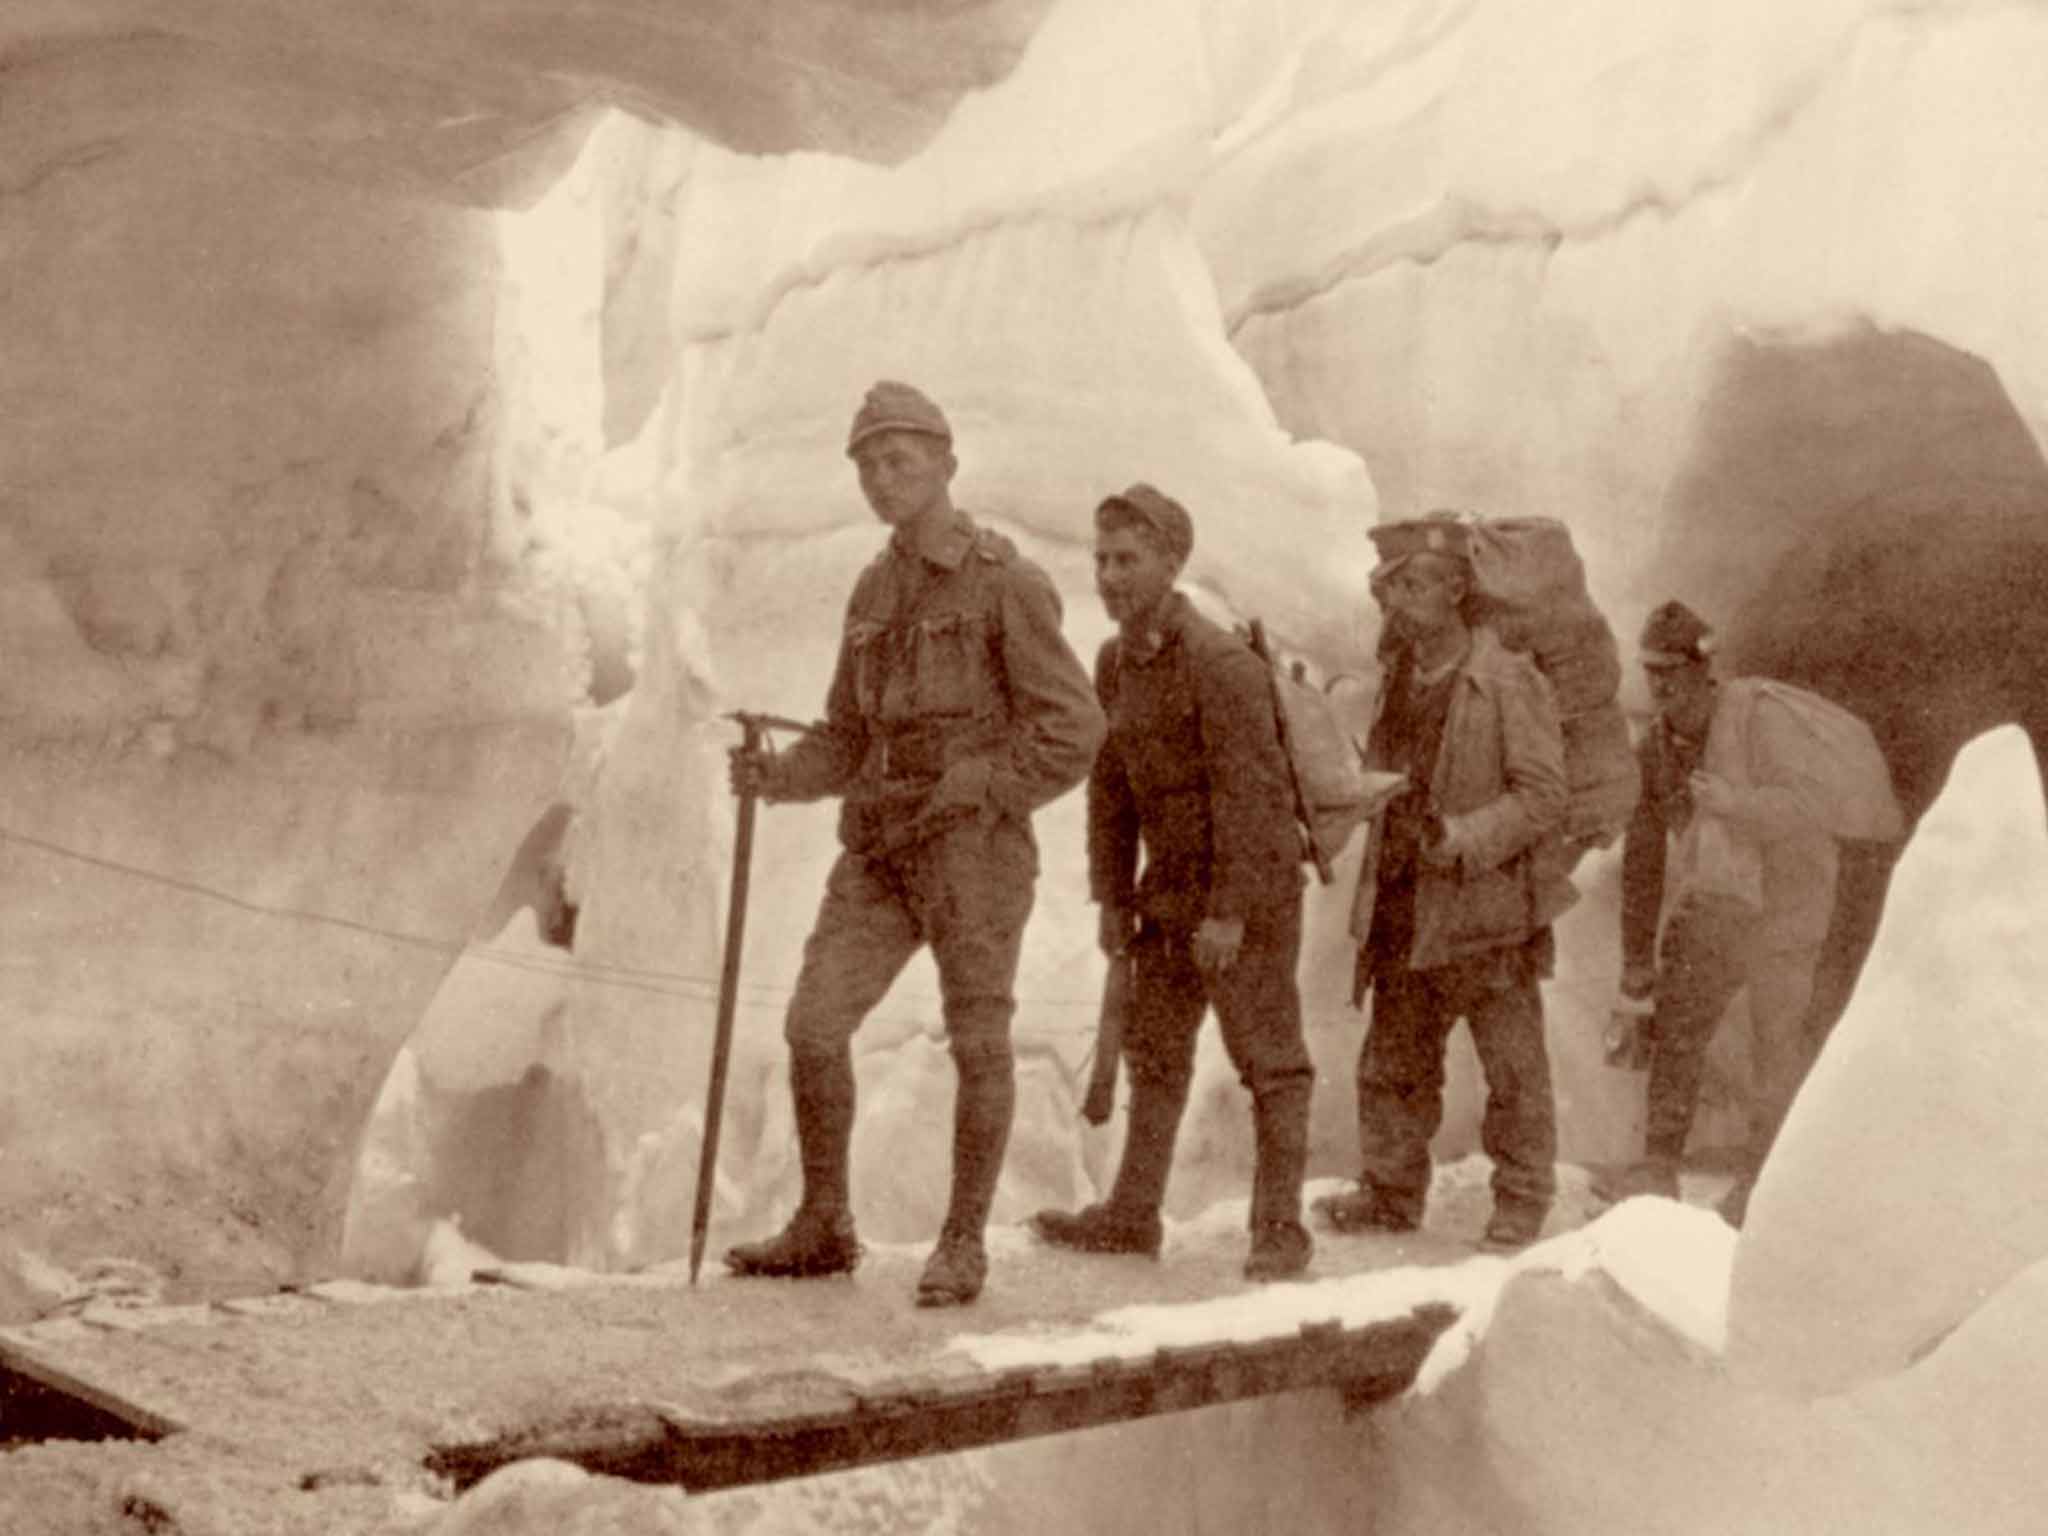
<point>1728,882</point>
<point>1461,880</point>
<point>1194,776</point>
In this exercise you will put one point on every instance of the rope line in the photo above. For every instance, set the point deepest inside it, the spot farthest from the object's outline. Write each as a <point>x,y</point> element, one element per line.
<point>679,985</point>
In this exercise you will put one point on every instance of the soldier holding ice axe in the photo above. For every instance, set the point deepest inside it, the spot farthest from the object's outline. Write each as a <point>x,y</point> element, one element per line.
<point>955,711</point>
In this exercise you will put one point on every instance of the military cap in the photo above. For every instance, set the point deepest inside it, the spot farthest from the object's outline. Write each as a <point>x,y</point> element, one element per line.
<point>893,407</point>
<point>1159,512</point>
<point>1442,532</point>
<point>1675,636</point>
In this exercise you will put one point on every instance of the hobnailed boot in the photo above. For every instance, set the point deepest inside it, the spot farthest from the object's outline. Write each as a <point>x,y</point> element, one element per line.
<point>1365,1209</point>
<point>954,1274</point>
<point>819,1239</point>
<point>1128,1221</point>
<point>984,1100</point>
<point>1281,1247</point>
<point>816,1242</point>
<point>1280,1251</point>
<point>1101,1228</point>
<point>1512,1228</point>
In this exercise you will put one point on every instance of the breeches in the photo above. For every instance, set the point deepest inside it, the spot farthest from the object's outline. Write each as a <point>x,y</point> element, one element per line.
<point>967,893</point>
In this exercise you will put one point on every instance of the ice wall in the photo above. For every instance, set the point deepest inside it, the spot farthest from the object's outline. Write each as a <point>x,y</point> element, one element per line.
<point>1075,344</point>
<point>345,442</point>
<point>1566,263</point>
<point>289,671</point>
<point>1529,247</point>
<point>272,707</point>
<point>1917,1134</point>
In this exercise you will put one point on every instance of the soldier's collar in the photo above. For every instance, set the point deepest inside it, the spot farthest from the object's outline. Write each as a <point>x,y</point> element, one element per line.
<point>1173,618</point>
<point>941,538</point>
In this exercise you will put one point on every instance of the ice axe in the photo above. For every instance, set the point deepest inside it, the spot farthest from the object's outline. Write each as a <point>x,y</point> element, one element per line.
<point>754,730</point>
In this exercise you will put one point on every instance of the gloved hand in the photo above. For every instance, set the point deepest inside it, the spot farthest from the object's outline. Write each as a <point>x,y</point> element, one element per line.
<point>752,772</point>
<point>1115,928</point>
<point>1217,942</point>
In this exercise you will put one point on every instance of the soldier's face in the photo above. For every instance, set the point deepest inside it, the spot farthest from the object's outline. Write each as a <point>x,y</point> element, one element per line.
<point>1421,596</point>
<point>1683,697</point>
<point>904,475</point>
<point>1132,573</point>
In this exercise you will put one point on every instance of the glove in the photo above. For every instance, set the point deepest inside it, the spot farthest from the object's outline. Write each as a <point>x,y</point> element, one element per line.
<point>1115,928</point>
<point>1217,942</point>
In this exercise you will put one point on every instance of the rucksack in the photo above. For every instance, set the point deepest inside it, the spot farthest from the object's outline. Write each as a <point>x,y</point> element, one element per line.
<point>1842,770</point>
<point>1529,587</point>
<point>1333,790</point>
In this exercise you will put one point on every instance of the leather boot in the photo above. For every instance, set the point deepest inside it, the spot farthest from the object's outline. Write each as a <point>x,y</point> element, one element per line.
<point>820,1238</point>
<point>1365,1209</point>
<point>1513,1226</point>
<point>984,1102</point>
<point>1101,1228</point>
<point>953,1275</point>
<point>1281,1247</point>
<point>1147,1160</point>
<point>1128,1221</point>
<point>816,1242</point>
<point>1280,1251</point>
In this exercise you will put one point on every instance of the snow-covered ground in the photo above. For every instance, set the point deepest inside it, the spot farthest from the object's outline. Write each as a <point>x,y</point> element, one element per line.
<point>1867,1354</point>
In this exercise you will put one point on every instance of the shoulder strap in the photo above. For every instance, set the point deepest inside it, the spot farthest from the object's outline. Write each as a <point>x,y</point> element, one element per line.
<point>993,547</point>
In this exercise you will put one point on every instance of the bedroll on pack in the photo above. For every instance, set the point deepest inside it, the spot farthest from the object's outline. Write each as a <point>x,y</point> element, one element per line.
<point>1532,593</point>
<point>1333,791</point>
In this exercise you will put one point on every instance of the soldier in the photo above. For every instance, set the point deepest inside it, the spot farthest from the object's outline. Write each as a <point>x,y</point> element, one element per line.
<point>956,710</point>
<point>1193,773</point>
<point>1732,845</point>
<point>1460,884</point>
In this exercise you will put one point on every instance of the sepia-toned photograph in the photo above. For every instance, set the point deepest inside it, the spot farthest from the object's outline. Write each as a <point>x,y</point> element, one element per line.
<point>857,767</point>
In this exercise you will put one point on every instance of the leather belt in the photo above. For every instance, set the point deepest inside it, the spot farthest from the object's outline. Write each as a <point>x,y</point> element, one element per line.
<point>910,755</point>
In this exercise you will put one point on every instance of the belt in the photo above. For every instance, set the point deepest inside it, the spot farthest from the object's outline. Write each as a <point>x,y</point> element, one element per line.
<point>921,752</point>
<point>905,763</point>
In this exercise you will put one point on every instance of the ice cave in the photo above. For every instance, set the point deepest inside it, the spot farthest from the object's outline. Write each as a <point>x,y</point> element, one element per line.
<point>423,425</point>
